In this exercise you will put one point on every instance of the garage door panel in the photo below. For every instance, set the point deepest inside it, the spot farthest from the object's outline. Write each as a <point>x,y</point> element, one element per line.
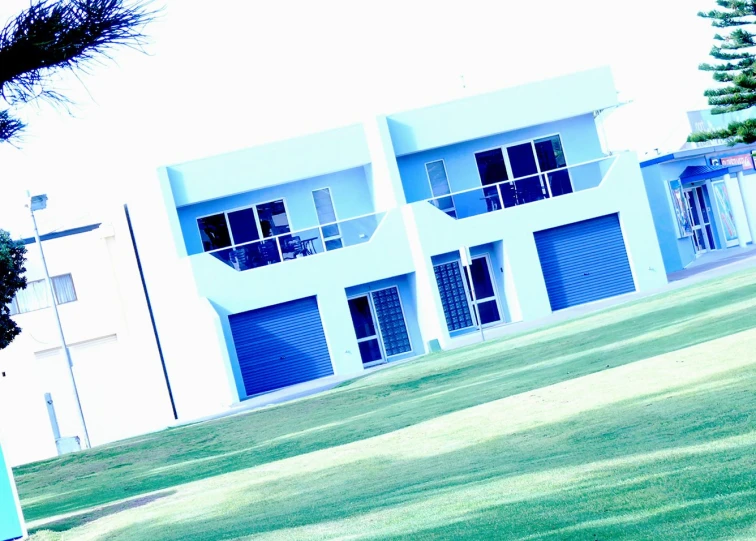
<point>280,345</point>
<point>584,262</point>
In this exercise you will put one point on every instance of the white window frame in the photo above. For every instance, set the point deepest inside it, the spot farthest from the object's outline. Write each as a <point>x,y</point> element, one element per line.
<point>335,214</point>
<point>470,304</point>
<point>253,206</point>
<point>508,165</point>
<point>453,208</point>
<point>495,297</point>
<point>54,293</point>
<point>377,324</point>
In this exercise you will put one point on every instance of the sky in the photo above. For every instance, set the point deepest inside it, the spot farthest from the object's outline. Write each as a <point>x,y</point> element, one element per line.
<point>223,75</point>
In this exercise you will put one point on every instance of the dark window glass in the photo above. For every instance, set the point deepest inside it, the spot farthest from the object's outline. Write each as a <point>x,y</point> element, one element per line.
<point>702,204</point>
<point>489,312</point>
<point>481,279</point>
<point>334,244</point>
<point>362,318</point>
<point>453,296</point>
<point>550,153</point>
<point>388,309</point>
<point>522,160</point>
<point>273,218</point>
<point>491,166</point>
<point>692,206</point>
<point>243,226</point>
<point>214,232</point>
<point>370,351</point>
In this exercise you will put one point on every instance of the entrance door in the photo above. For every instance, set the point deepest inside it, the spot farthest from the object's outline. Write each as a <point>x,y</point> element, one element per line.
<point>379,324</point>
<point>485,291</point>
<point>703,237</point>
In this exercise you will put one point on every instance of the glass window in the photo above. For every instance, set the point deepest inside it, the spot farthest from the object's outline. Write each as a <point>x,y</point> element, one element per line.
<point>273,218</point>
<point>522,160</point>
<point>324,206</point>
<point>439,182</point>
<point>35,296</point>
<point>243,226</point>
<point>13,307</point>
<point>489,312</point>
<point>388,309</point>
<point>63,287</point>
<point>453,296</point>
<point>481,278</point>
<point>362,317</point>
<point>550,153</point>
<point>370,351</point>
<point>491,166</point>
<point>214,232</point>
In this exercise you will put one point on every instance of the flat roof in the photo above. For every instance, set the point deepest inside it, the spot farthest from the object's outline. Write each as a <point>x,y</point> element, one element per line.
<point>694,153</point>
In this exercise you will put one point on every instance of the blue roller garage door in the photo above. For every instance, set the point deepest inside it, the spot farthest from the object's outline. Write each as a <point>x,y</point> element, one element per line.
<point>584,262</point>
<point>280,345</point>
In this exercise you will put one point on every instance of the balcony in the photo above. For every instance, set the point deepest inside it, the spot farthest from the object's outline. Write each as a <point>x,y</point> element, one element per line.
<point>524,190</point>
<point>300,244</point>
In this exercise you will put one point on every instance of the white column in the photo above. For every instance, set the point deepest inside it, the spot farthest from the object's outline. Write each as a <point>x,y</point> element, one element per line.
<point>387,184</point>
<point>750,217</point>
<point>738,211</point>
<point>430,310</point>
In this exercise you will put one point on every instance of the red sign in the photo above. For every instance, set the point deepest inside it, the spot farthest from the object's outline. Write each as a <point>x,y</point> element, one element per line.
<point>741,159</point>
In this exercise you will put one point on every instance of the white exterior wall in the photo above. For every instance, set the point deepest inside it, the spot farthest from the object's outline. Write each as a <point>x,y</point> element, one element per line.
<point>620,192</point>
<point>112,344</point>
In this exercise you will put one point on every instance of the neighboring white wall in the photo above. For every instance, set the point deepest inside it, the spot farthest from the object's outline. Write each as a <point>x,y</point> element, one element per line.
<point>111,339</point>
<point>194,349</point>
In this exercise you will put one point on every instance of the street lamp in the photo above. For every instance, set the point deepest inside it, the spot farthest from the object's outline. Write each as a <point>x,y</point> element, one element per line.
<point>39,202</point>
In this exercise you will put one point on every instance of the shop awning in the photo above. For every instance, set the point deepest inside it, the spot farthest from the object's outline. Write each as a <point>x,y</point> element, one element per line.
<point>694,173</point>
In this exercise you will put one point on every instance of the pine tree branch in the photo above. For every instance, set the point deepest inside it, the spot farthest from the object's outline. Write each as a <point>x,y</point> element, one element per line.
<point>729,109</point>
<point>741,98</point>
<point>729,66</point>
<point>724,16</point>
<point>717,52</point>
<point>745,81</point>
<point>737,39</point>
<point>723,77</point>
<point>10,127</point>
<point>64,34</point>
<point>736,132</point>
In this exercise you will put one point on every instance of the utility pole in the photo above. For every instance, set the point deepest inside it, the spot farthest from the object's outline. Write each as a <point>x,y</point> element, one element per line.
<point>39,202</point>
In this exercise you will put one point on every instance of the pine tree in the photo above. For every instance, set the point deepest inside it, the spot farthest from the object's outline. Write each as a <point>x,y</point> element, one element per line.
<point>11,280</point>
<point>52,36</point>
<point>736,70</point>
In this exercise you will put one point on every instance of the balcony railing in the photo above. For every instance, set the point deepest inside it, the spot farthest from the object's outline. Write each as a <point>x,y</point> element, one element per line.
<point>524,190</point>
<point>299,244</point>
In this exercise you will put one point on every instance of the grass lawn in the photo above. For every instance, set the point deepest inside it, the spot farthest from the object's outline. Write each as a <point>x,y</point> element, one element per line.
<point>634,423</point>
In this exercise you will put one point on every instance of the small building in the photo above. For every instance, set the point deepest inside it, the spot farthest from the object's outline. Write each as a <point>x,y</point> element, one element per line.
<point>321,256</point>
<point>106,323</point>
<point>703,200</point>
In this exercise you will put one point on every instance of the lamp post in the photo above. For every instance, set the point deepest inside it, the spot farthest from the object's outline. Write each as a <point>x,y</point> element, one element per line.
<point>39,202</point>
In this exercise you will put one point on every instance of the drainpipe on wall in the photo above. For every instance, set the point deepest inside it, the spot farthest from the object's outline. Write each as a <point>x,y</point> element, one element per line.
<point>149,309</point>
